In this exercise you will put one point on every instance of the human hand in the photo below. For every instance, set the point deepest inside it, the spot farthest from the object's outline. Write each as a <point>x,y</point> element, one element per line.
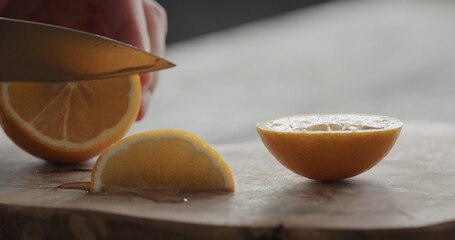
<point>141,23</point>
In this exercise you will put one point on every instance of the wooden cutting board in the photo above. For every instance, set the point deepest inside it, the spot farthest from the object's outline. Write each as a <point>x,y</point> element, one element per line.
<point>409,195</point>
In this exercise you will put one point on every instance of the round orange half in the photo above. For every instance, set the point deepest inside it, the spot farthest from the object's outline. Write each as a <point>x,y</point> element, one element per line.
<point>329,146</point>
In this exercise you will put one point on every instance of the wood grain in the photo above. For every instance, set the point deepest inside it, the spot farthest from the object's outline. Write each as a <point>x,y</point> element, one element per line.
<point>409,194</point>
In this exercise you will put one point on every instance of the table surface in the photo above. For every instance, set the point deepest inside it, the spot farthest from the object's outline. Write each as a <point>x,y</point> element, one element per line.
<point>410,193</point>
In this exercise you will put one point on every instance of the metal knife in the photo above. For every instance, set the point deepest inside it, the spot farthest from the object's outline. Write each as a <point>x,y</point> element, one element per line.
<point>37,52</point>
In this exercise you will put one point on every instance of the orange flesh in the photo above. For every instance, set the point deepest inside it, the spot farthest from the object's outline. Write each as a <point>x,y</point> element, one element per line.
<point>156,164</point>
<point>160,161</point>
<point>70,111</point>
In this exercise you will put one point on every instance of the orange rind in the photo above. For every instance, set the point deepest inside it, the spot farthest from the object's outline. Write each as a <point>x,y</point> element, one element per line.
<point>329,146</point>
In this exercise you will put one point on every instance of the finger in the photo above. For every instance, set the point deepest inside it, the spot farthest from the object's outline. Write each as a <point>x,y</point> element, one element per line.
<point>157,26</point>
<point>156,20</point>
<point>126,21</point>
<point>145,98</point>
<point>146,92</point>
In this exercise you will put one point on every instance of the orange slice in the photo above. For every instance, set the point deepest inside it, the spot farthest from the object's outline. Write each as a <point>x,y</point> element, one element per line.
<point>329,146</point>
<point>161,160</point>
<point>69,122</point>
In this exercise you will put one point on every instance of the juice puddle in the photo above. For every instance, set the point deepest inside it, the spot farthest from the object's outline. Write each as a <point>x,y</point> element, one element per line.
<point>156,195</point>
<point>85,186</point>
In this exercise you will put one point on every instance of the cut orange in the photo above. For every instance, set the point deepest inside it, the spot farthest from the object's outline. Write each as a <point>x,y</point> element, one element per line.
<point>161,160</point>
<point>329,146</point>
<point>69,122</point>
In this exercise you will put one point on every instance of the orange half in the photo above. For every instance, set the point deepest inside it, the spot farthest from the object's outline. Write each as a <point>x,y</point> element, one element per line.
<point>329,146</point>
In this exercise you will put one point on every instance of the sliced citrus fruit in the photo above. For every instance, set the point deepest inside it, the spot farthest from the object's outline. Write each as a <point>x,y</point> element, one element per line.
<point>69,122</point>
<point>163,160</point>
<point>329,146</point>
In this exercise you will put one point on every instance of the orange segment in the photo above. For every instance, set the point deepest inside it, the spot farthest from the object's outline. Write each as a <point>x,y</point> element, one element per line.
<point>161,160</point>
<point>69,122</point>
<point>329,146</point>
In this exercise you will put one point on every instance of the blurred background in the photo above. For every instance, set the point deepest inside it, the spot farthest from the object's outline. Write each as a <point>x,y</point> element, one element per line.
<point>188,19</point>
<point>240,62</point>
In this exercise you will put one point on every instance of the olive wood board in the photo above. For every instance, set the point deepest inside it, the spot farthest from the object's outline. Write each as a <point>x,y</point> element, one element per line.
<point>409,194</point>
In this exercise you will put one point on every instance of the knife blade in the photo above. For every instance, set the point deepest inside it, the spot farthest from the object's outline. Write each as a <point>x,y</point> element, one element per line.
<point>37,52</point>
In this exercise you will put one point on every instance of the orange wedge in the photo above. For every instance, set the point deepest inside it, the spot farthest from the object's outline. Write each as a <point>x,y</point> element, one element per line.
<point>69,122</point>
<point>161,160</point>
<point>329,146</point>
